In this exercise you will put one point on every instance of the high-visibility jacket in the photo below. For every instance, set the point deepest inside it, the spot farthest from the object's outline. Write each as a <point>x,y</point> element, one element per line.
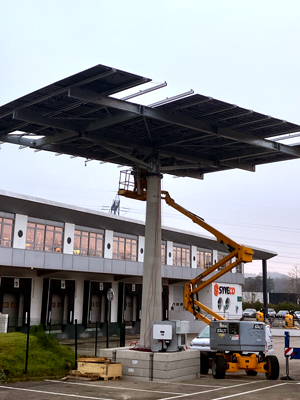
<point>260,316</point>
<point>289,320</point>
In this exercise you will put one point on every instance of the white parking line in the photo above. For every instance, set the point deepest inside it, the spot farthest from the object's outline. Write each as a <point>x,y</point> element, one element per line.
<point>112,387</point>
<point>213,390</point>
<point>250,391</point>
<point>53,393</point>
<point>185,384</point>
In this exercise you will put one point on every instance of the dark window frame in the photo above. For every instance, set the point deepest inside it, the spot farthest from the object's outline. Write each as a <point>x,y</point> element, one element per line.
<point>48,238</point>
<point>94,243</point>
<point>4,223</point>
<point>125,248</point>
<point>181,254</point>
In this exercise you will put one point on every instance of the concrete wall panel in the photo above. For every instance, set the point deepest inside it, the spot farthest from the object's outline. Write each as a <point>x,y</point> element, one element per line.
<point>68,237</point>
<point>67,262</point>
<point>108,244</point>
<point>18,258</point>
<point>118,267</point>
<point>34,259</point>
<point>53,261</point>
<point>80,263</point>
<point>20,226</point>
<point>107,268</point>
<point>6,255</point>
<point>96,264</point>
<point>131,267</point>
<point>141,249</point>
<point>169,253</point>
<point>177,272</point>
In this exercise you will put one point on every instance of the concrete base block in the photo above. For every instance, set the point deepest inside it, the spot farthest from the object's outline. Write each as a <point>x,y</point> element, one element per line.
<point>173,366</point>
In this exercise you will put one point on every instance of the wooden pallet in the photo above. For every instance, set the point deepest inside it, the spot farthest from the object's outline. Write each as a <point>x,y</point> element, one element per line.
<point>93,368</point>
<point>112,378</point>
<point>82,376</point>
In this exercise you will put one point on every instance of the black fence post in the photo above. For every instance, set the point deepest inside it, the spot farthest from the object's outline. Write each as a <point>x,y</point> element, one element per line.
<point>75,342</point>
<point>122,334</point>
<point>151,367</point>
<point>107,335</point>
<point>96,339</point>
<point>27,344</point>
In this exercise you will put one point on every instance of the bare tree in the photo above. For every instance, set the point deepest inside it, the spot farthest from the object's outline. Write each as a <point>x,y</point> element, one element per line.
<point>294,282</point>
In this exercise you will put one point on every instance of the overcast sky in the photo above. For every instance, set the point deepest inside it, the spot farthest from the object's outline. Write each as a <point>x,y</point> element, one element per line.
<point>241,52</point>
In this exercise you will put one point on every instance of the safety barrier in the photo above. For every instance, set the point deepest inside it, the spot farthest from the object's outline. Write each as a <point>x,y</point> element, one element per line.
<point>292,353</point>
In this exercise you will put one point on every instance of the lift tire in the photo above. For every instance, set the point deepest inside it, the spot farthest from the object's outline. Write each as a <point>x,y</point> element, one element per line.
<point>250,372</point>
<point>219,365</point>
<point>272,368</point>
<point>204,363</point>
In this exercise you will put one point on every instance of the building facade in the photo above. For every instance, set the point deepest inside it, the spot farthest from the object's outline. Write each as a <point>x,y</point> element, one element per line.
<point>57,263</point>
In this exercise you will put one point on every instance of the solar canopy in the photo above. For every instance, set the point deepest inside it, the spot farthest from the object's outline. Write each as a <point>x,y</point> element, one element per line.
<point>193,135</point>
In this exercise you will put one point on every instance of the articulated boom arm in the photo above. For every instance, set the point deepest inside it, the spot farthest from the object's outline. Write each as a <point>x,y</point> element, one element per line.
<point>238,253</point>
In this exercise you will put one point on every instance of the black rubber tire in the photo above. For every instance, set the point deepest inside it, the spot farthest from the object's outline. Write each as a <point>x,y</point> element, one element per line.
<point>272,368</point>
<point>250,372</point>
<point>219,365</point>
<point>204,363</point>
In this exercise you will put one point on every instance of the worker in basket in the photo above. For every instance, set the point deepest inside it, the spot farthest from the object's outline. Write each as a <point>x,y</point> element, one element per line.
<point>260,315</point>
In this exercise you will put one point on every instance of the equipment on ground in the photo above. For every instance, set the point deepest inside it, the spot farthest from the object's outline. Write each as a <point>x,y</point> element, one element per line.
<point>168,336</point>
<point>229,337</point>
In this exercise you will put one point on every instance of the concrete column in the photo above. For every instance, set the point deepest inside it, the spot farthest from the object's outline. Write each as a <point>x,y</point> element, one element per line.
<point>79,289</point>
<point>114,303</point>
<point>36,300</point>
<point>152,284</point>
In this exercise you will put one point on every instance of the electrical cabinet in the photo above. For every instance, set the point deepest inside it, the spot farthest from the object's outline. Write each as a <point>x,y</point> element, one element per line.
<point>169,335</point>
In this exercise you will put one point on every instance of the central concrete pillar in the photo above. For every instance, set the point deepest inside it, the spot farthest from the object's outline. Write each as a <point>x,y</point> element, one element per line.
<point>152,285</point>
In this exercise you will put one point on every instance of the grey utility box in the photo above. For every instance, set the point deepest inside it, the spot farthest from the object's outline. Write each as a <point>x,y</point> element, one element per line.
<point>168,336</point>
<point>237,336</point>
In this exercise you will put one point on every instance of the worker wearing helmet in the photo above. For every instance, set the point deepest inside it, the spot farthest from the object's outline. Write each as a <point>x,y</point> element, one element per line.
<point>289,319</point>
<point>260,315</point>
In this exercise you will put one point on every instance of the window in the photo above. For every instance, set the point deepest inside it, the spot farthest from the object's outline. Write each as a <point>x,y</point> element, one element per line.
<point>220,303</point>
<point>204,259</point>
<point>6,229</point>
<point>44,237</point>
<point>220,257</point>
<point>163,254</point>
<point>125,249</point>
<point>181,256</point>
<point>227,304</point>
<point>239,269</point>
<point>88,243</point>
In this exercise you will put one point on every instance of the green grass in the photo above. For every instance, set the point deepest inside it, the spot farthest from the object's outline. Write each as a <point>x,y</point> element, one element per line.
<point>46,358</point>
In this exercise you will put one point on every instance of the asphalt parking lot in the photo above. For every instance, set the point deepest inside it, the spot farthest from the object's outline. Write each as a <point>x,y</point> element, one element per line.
<point>204,388</point>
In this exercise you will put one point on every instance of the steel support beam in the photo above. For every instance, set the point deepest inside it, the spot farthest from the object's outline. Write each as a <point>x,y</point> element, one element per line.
<point>89,96</point>
<point>44,121</point>
<point>265,290</point>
